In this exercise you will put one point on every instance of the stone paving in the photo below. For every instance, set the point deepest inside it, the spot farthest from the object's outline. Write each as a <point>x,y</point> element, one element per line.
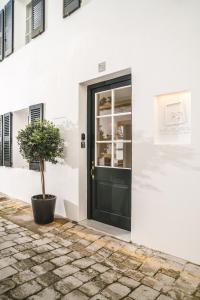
<point>64,260</point>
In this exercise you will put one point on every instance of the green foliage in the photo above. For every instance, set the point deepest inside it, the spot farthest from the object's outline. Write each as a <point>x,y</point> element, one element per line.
<point>40,141</point>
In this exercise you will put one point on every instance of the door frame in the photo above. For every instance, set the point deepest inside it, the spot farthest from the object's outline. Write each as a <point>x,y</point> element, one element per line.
<point>90,117</point>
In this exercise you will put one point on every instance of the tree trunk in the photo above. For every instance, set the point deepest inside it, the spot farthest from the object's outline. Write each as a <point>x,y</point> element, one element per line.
<point>42,177</point>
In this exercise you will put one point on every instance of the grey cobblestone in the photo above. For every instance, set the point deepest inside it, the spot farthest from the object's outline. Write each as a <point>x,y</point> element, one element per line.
<point>86,275</point>
<point>65,271</point>
<point>43,248</point>
<point>66,261</point>
<point>110,276</point>
<point>23,276</point>
<point>60,251</point>
<point>40,258</point>
<point>131,283</point>
<point>6,285</point>
<point>92,287</point>
<point>7,272</point>
<point>8,252</point>
<point>61,260</point>
<point>7,261</point>
<point>25,290</point>
<point>24,264</point>
<point>76,295</point>
<point>24,255</point>
<point>12,236</point>
<point>99,297</point>
<point>6,244</point>
<point>23,240</point>
<point>83,263</point>
<point>46,294</point>
<point>145,293</point>
<point>67,284</point>
<point>163,297</point>
<point>116,291</point>
<point>47,279</point>
<point>100,268</point>
<point>43,268</point>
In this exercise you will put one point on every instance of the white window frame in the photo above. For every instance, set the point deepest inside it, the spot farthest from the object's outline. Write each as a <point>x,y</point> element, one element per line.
<point>112,115</point>
<point>28,34</point>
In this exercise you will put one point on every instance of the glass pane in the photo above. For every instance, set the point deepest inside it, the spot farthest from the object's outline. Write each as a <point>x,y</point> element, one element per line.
<point>123,100</point>
<point>122,155</point>
<point>104,129</point>
<point>104,151</point>
<point>37,13</point>
<point>122,127</point>
<point>104,103</point>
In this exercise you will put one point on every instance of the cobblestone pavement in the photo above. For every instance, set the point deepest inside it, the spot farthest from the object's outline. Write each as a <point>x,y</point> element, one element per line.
<point>64,260</point>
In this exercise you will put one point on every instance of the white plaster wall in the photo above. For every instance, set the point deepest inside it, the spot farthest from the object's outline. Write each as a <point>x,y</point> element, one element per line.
<point>160,41</point>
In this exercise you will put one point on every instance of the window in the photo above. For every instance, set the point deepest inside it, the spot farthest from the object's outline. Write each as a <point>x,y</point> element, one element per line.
<point>1,35</point>
<point>36,113</point>
<point>20,120</point>
<point>8,28</point>
<point>38,17</point>
<point>1,140</point>
<point>69,6</point>
<point>113,128</point>
<point>7,139</point>
<point>10,124</point>
<point>28,23</point>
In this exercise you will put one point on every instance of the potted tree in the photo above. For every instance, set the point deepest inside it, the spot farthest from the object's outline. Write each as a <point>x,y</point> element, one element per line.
<point>40,141</point>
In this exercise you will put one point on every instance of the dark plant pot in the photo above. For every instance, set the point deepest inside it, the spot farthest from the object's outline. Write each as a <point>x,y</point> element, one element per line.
<point>43,210</point>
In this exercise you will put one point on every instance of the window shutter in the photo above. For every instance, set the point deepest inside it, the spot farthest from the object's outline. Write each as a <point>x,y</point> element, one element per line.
<point>36,113</point>
<point>38,17</point>
<point>9,28</point>
<point>1,140</point>
<point>1,35</point>
<point>69,6</point>
<point>7,140</point>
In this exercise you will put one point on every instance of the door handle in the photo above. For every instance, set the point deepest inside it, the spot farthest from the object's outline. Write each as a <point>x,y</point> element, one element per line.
<point>92,171</point>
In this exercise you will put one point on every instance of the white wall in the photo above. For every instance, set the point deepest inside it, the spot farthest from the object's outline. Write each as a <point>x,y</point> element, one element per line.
<point>157,39</point>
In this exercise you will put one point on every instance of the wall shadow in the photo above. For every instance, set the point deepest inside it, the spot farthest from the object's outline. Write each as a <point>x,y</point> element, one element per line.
<point>149,158</point>
<point>70,133</point>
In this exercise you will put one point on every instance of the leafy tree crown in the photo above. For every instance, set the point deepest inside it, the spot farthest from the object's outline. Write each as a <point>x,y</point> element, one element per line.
<point>40,140</point>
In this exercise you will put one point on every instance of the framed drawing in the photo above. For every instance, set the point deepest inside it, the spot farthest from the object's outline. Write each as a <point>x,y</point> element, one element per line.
<point>173,118</point>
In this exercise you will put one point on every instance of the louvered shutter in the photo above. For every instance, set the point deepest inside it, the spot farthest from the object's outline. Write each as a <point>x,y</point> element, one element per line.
<point>1,140</point>
<point>1,35</point>
<point>36,113</point>
<point>38,17</point>
<point>69,6</point>
<point>7,140</point>
<point>9,28</point>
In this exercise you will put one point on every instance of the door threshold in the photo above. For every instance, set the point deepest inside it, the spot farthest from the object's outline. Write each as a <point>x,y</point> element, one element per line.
<point>116,232</point>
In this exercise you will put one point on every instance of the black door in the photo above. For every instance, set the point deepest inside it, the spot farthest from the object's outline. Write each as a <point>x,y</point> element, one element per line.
<point>110,152</point>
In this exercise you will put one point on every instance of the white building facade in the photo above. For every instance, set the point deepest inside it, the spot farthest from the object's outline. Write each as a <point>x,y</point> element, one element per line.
<point>138,60</point>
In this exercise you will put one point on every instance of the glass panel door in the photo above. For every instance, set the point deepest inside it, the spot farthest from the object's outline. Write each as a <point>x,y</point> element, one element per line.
<point>113,128</point>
